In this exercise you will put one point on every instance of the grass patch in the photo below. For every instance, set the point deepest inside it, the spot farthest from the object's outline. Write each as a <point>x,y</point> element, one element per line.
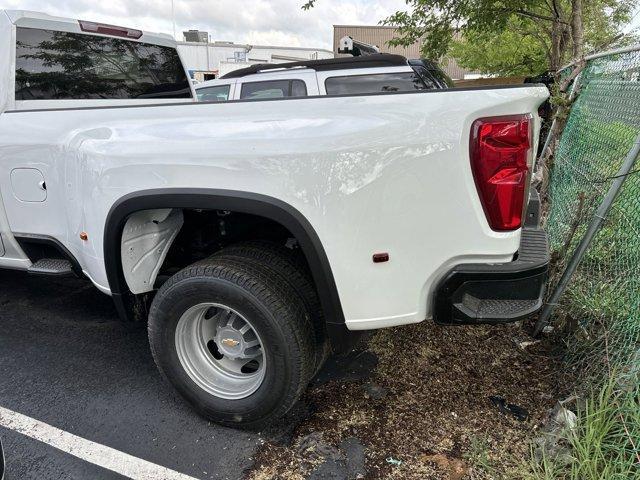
<point>604,443</point>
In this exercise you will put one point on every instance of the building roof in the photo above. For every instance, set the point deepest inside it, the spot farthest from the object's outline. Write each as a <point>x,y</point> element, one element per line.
<point>366,26</point>
<point>366,61</point>
<point>246,46</point>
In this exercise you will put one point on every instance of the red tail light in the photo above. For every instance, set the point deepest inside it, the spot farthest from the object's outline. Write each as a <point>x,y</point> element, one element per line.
<point>105,29</point>
<point>500,154</point>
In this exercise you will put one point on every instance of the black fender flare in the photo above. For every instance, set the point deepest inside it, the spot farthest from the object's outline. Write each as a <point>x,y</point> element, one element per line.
<point>215,199</point>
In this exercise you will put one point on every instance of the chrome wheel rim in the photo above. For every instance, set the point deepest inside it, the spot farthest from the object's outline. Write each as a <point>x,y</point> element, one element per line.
<point>220,351</point>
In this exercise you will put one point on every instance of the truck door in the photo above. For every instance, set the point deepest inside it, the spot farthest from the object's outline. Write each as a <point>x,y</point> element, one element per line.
<point>57,69</point>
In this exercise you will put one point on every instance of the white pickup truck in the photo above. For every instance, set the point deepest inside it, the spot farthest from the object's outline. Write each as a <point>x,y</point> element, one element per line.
<point>253,236</point>
<point>335,76</point>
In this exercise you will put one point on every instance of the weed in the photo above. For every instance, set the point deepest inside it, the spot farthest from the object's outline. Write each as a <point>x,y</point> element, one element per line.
<point>604,443</point>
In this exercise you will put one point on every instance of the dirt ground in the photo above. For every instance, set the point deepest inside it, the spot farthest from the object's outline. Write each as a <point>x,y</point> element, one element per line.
<point>425,411</point>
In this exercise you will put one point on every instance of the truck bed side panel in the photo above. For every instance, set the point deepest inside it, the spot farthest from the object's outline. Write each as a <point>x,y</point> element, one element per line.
<point>373,173</point>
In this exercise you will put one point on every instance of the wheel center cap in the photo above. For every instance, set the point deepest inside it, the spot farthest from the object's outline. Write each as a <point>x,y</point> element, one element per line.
<point>230,342</point>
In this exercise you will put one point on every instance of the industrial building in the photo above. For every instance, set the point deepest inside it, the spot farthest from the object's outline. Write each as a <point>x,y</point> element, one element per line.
<point>207,60</point>
<point>379,36</point>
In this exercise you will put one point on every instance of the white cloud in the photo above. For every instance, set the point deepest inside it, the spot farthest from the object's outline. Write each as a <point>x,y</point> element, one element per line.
<point>243,21</point>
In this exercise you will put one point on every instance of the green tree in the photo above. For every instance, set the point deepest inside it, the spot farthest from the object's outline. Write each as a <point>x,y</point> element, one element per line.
<point>506,53</point>
<point>508,36</point>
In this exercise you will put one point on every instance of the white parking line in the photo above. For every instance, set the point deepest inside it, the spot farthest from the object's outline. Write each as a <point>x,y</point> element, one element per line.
<point>103,456</point>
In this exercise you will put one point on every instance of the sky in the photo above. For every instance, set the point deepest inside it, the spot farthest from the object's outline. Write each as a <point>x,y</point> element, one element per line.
<point>635,21</point>
<point>257,22</point>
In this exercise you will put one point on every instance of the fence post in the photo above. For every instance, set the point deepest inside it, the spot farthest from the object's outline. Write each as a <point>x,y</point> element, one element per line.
<point>594,226</point>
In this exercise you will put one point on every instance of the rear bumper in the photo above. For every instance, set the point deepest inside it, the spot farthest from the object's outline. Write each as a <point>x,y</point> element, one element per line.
<point>497,293</point>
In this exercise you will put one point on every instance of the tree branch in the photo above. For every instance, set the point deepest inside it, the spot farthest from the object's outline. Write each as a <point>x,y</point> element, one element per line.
<point>543,41</point>
<point>577,28</point>
<point>524,13</point>
<point>576,71</point>
<point>549,5</point>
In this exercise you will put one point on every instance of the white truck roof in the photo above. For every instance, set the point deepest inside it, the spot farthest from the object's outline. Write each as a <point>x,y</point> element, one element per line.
<point>30,19</point>
<point>256,77</point>
<point>379,63</point>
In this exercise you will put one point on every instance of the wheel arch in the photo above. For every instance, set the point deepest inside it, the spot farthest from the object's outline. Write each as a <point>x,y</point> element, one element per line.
<point>215,199</point>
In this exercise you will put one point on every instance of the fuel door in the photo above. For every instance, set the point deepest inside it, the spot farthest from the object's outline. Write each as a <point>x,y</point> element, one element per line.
<point>28,185</point>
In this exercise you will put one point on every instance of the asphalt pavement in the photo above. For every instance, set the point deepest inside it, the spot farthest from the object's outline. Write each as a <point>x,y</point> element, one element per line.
<point>66,360</point>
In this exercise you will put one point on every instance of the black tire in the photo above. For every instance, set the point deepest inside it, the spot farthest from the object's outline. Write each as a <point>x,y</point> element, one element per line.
<point>291,268</point>
<point>275,312</point>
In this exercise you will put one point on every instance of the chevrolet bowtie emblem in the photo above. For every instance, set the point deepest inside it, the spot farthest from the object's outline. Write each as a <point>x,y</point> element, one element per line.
<point>230,342</point>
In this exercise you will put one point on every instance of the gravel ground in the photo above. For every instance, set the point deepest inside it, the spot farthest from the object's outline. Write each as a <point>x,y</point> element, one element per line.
<point>426,410</point>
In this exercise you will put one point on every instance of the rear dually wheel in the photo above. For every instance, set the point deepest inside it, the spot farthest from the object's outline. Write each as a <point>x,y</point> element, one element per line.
<point>234,340</point>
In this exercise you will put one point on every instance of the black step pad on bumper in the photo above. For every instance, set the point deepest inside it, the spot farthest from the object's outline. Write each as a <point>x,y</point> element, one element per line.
<point>496,293</point>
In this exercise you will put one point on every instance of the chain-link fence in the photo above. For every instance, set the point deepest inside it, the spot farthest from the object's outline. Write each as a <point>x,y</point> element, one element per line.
<point>602,304</point>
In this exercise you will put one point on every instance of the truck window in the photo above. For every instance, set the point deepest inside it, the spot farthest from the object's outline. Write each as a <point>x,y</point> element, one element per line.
<point>219,93</point>
<point>374,83</point>
<point>53,65</point>
<point>443,80</point>
<point>432,75</point>
<point>273,89</point>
